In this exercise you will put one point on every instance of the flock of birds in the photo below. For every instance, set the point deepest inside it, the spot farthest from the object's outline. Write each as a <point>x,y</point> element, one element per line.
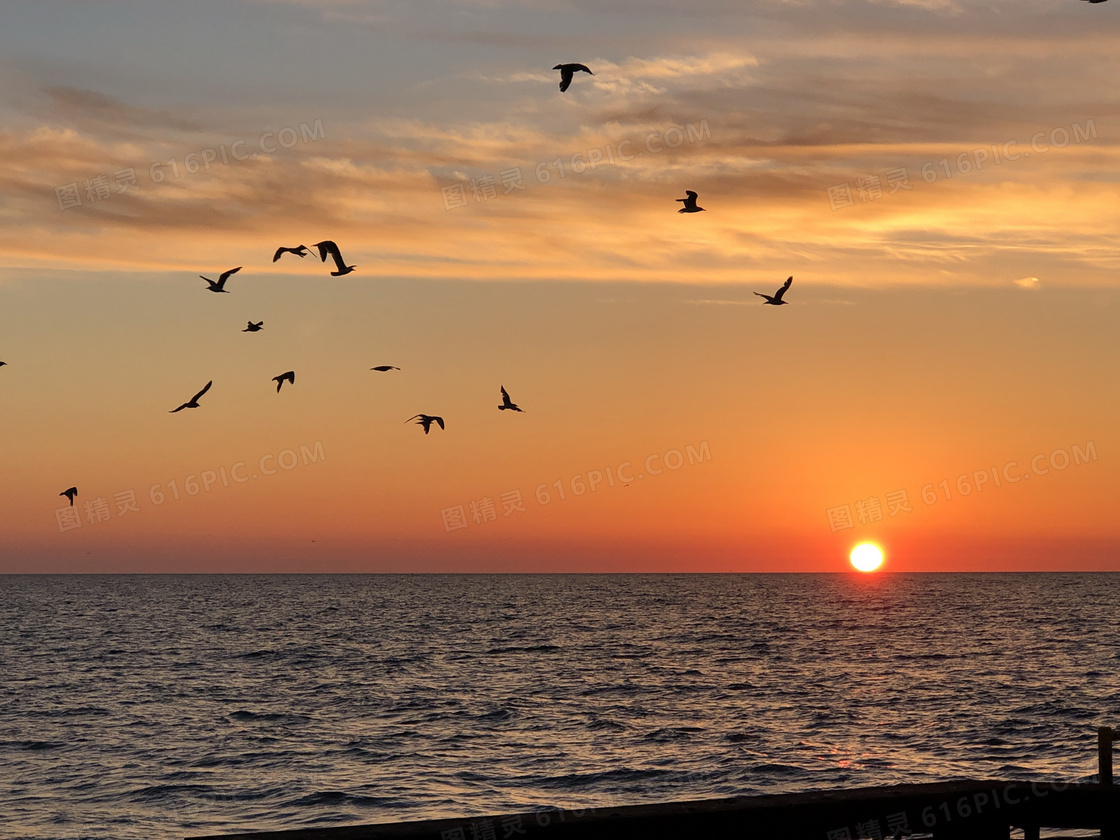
<point>328,248</point>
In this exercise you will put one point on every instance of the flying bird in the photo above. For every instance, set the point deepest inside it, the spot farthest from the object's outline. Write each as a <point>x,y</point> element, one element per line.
<point>776,300</point>
<point>301,251</point>
<point>70,494</point>
<point>194,400</point>
<point>1096,1</point>
<point>689,203</point>
<point>328,247</point>
<point>566,72</point>
<point>220,285</point>
<point>257,327</point>
<point>384,368</point>
<point>508,403</point>
<point>290,376</point>
<point>426,421</point>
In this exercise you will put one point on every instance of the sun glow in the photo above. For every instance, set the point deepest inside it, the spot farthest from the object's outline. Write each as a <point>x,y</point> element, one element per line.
<point>867,557</point>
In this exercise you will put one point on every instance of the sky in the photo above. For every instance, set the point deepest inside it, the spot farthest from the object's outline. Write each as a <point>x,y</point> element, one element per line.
<point>939,178</point>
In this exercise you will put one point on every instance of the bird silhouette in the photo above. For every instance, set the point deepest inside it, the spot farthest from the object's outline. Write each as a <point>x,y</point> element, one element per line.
<point>301,251</point>
<point>328,247</point>
<point>508,403</point>
<point>776,299</point>
<point>1096,1</point>
<point>194,400</point>
<point>2,364</point>
<point>384,368</point>
<point>426,421</point>
<point>290,376</point>
<point>689,203</point>
<point>566,72</point>
<point>220,285</point>
<point>257,327</point>
<point>70,494</point>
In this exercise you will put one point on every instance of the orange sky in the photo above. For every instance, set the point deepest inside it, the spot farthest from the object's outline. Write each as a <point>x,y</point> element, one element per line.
<point>934,332</point>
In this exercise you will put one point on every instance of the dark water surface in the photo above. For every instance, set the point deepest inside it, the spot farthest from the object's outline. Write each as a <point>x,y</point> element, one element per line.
<point>163,706</point>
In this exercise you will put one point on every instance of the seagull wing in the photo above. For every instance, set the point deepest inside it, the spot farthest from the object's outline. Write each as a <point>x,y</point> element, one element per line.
<point>440,421</point>
<point>565,79</point>
<point>778,294</point>
<point>225,275</point>
<point>338,261</point>
<point>692,195</point>
<point>413,417</point>
<point>582,67</point>
<point>279,251</point>
<point>326,247</point>
<point>505,397</point>
<point>203,391</point>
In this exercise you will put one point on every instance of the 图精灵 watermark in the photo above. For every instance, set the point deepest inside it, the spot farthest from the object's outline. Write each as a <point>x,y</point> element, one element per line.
<point>870,510</point>
<point>512,179</point>
<point>484,510</point>
<point>127,180</point>
<point>869,187</point>
<point>97,510</point>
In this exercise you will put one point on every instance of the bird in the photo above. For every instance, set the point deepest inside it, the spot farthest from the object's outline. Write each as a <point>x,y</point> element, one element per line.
<point>566,72</point>
<point>194,400</point>
<point>776,300</point>
<point>328,247</point>
<point>220,285</point>
<point>2,364</point>
<point>290,376</point>
<point>70,494</point>
<point>508,403</point>
<point>1096,1</point>
<point>426,421</point>
<point>301,251</point>
<point>689,203</point>
<point>257,327</point>
<point>384,368</point>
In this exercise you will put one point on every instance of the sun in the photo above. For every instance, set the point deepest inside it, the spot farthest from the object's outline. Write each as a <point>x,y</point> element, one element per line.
<point>867,557</point>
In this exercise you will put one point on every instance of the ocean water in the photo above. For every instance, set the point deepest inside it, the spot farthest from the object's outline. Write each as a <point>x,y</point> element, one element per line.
<point>168,706</point>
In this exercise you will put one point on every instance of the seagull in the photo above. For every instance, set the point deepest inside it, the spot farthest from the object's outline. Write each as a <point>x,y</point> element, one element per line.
<point>776,300</point>
<point>384,368</point>
<point>328,247</point>
<point>566,71</point>
<point>220,285</point>
<point>425,421</point>
<point>257,327</point>
<point>70,494</point>
<point>1096,1</point>
<point>301,251</point>
<point>507,403</point>
<point>689,203</point>
<point>194,400</point>
<point>290,376</point>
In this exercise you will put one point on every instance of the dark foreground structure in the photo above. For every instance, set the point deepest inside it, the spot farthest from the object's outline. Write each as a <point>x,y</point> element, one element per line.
<point>972,810</point>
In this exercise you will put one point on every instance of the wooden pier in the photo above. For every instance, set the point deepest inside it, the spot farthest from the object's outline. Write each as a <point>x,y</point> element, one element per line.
<point>970,810</point>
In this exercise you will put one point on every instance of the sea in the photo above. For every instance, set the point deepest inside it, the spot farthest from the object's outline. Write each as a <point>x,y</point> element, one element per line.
<point>166,706</point>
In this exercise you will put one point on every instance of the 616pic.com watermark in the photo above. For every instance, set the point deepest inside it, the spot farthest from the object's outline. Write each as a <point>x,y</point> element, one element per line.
<point>484,510</point>
<point>870,187</point>
<point>484,187</point>
<point>870,510</point>
<point>97,509</point>
<point>99,188</point>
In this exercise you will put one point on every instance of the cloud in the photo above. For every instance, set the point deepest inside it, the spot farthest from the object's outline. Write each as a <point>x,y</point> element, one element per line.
<point>1027,283</point>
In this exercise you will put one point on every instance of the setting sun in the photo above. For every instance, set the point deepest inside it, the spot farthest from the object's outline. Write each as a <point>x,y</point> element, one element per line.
<point>867,557</point>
